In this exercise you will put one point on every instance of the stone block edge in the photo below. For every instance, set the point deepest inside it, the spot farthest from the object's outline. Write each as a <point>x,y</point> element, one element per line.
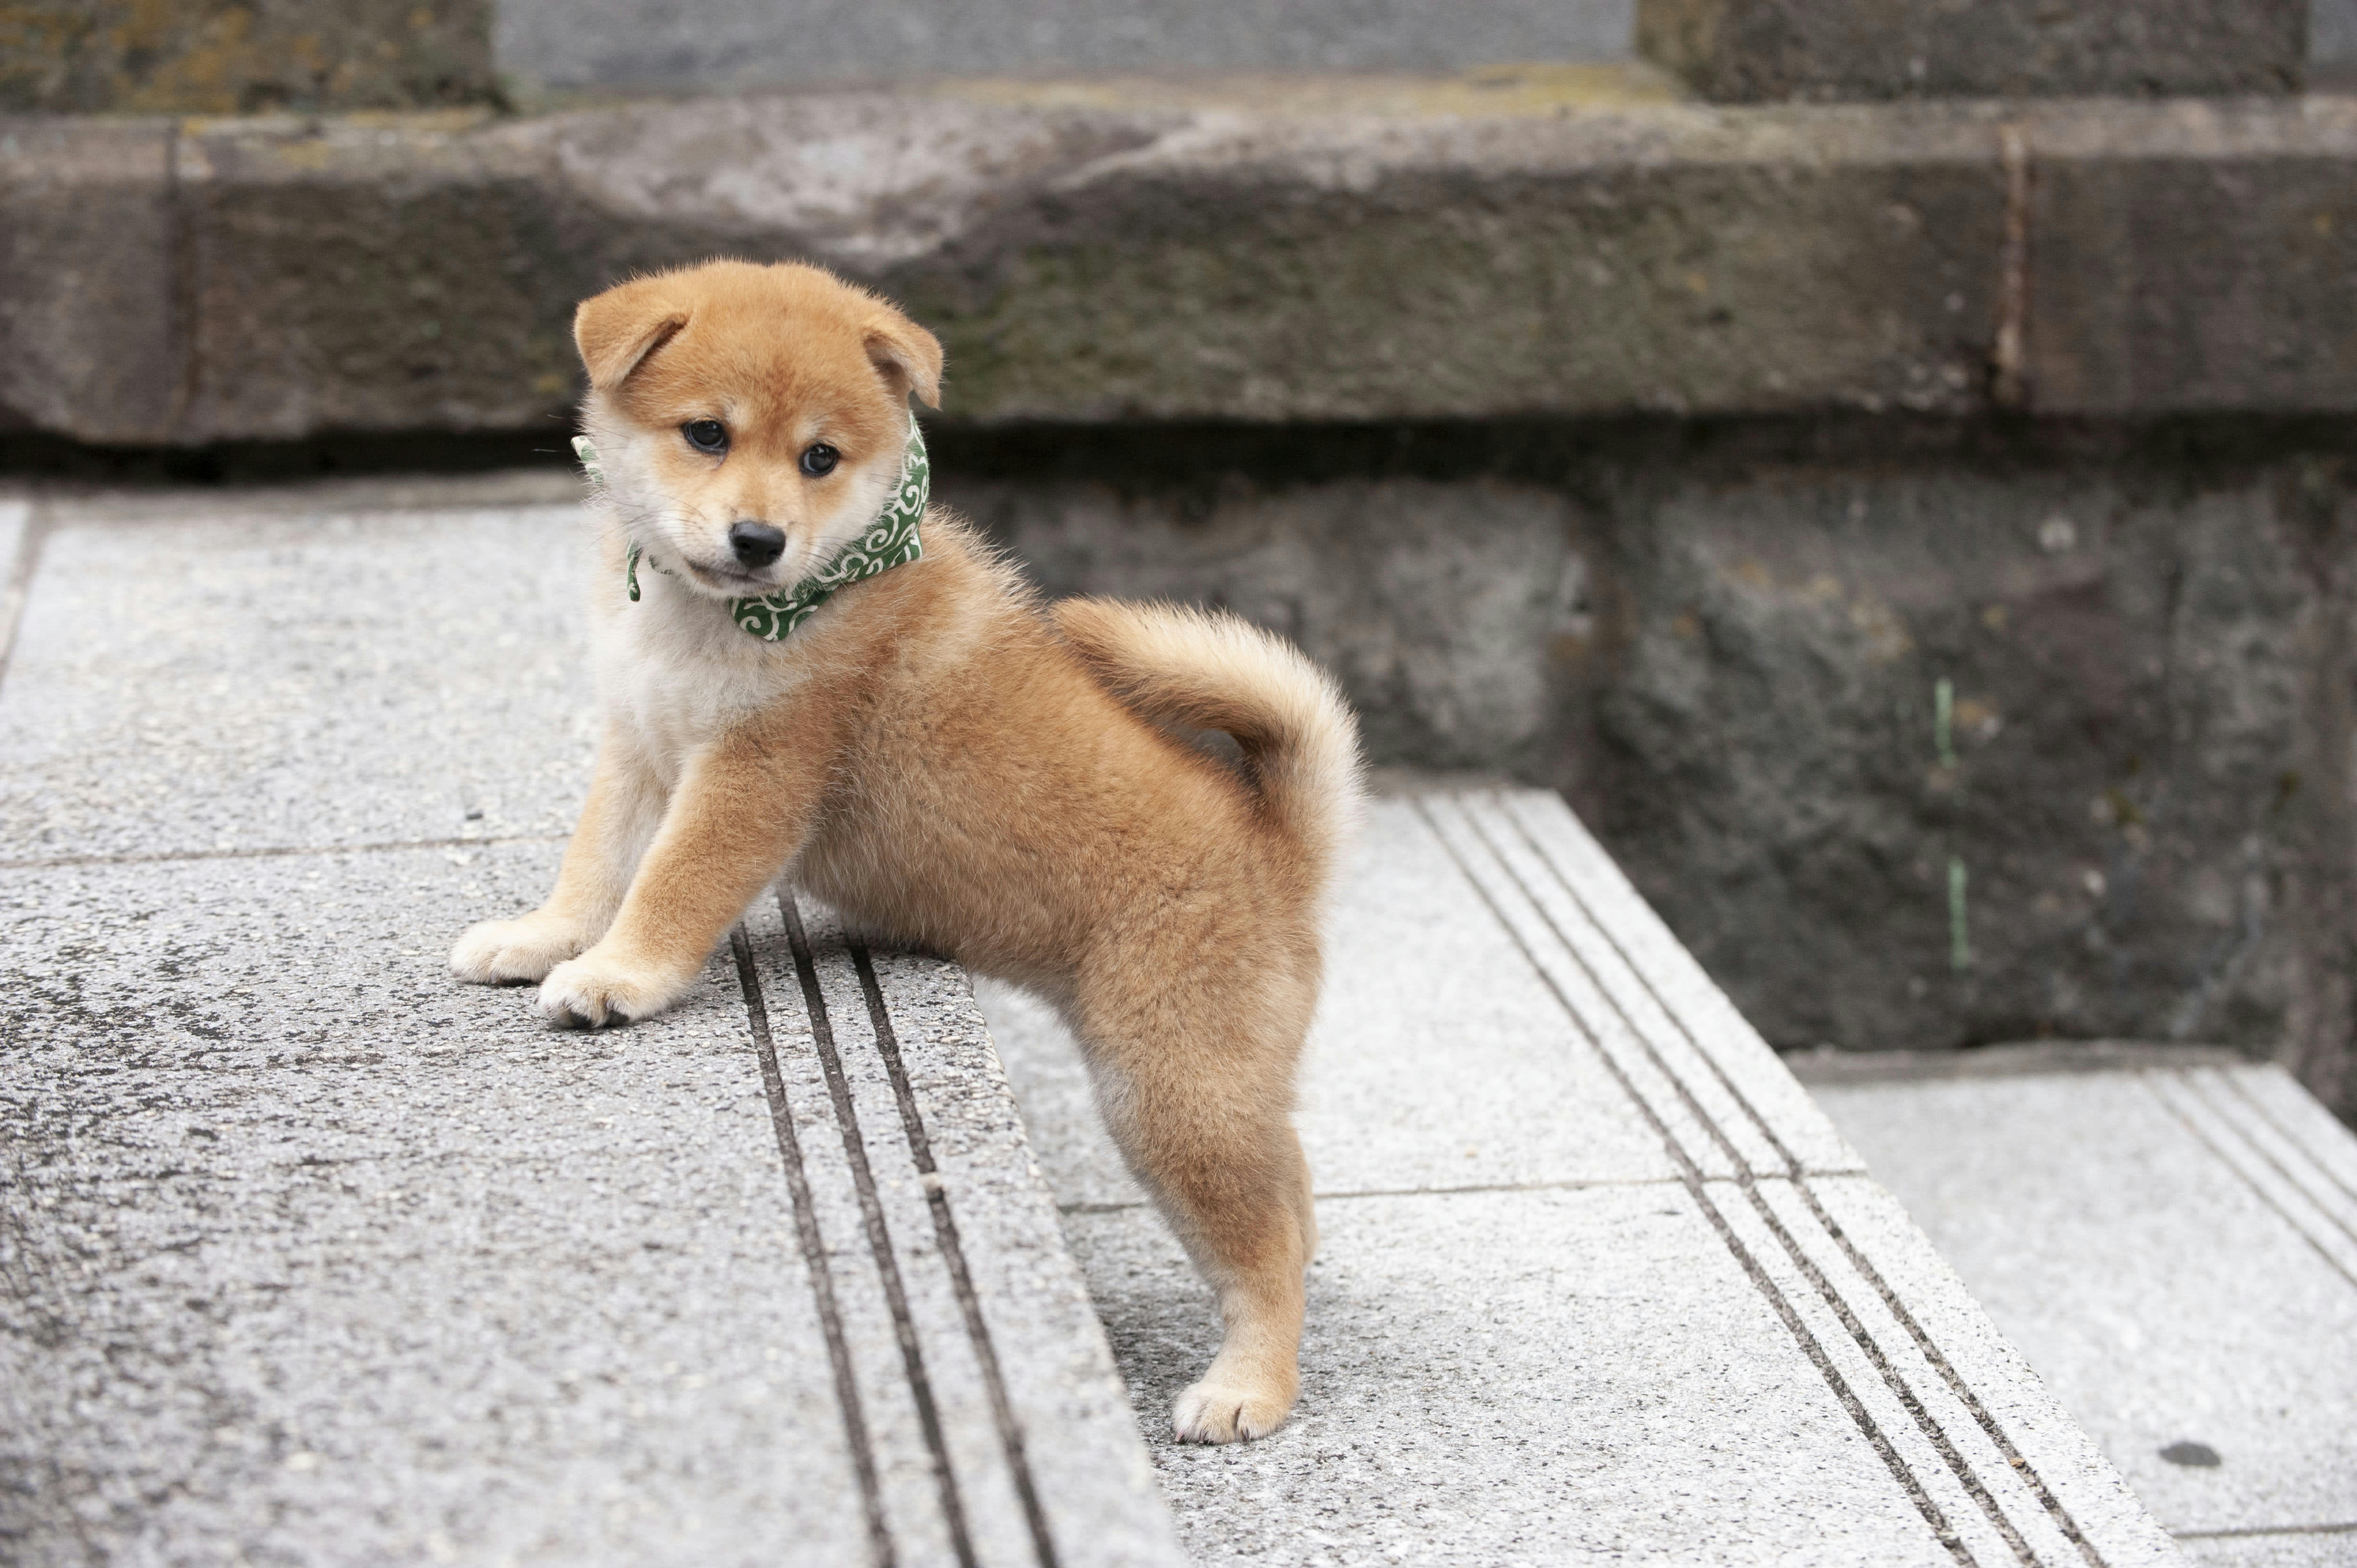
<point>189,282</point>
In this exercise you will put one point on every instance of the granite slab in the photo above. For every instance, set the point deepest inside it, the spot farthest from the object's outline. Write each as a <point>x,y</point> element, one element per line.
<point>249,680</point>
<point>2174,1248</point>
<point>1664,1316</point>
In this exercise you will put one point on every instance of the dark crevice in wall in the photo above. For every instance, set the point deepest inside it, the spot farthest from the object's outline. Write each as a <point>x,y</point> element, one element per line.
<point>1159,459</point>
<point>48,459</point>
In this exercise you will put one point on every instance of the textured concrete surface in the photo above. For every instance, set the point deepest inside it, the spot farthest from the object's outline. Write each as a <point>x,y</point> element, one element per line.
<point>1746,51</point>
<point>365,677</point>
<point>314,1258</point>
<point>2175,1250</point>
<point>1543,240</point>
<point>2320,1550</point>
<point>725,45</point>
<point>307,1255</point>
<point>1582,1232</point>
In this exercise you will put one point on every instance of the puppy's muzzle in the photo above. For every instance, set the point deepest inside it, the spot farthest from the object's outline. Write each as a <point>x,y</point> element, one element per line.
<point>756,544</point>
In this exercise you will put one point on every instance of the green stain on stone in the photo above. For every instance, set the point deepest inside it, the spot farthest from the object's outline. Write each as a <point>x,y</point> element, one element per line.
<point>1960,940</point>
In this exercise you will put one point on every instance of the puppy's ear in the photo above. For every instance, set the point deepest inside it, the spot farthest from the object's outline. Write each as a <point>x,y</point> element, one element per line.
<point>908,357</point>
<point>618,330</point>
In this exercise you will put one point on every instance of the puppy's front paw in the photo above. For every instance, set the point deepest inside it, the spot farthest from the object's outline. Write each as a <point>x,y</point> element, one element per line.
<point>596,989</point>
<point>1230,1410</point>
<point>509,952</point>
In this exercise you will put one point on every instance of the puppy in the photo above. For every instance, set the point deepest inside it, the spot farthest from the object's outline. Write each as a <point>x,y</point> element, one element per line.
<point>946,762</point>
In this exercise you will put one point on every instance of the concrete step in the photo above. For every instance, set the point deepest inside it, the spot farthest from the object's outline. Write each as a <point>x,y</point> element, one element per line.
<point>309,1255</point>
<point>1540,242</point>
<point>1599,1283</point>
<point>2171,1236</point>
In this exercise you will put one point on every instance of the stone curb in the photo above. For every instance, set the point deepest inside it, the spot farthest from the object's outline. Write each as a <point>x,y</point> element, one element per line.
<point>1574,1208</point>
<point>1094,255</point>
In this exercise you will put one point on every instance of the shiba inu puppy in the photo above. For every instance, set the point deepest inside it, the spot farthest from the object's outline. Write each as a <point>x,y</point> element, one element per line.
<point>803,669</point>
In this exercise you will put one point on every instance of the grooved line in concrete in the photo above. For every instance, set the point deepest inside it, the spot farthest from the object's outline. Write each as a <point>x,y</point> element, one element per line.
<point>2301,1172</point>
<point>879,1237</point>
<point>829,1316</point>
<point>1899,1310</point>
<point>277,852</point>
<point>1908,1400</point>
<point>17,586</point>
<point>2330,1179</point>
<point>2346,1527</point>
<point>1692,1178</point>
<point>921,1150</point>
<point>2209,1138</point>
<point>1717,1068</point>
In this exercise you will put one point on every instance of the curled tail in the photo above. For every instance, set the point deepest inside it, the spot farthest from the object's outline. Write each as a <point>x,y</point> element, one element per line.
<point>1211,671</point>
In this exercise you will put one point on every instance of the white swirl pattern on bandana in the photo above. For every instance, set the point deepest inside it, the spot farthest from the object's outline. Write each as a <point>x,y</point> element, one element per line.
<point>892,539</point>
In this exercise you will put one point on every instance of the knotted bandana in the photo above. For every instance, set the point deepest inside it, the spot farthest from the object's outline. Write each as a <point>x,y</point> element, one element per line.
<point>892,539</point>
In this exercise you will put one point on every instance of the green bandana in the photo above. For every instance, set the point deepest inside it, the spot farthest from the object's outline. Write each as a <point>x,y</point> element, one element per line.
<point>890,541</point>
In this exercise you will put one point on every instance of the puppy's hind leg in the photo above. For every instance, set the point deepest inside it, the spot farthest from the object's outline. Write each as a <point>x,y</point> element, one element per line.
<point>625,804</point>
<point>1202,1105</point>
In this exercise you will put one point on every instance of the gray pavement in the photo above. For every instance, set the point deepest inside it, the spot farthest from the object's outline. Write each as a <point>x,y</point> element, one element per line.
<point>310,1255</point>
<point>241,683</point>
<point>307,1255</point>
<point>1597,1283</point>
<point>2173,1246</point>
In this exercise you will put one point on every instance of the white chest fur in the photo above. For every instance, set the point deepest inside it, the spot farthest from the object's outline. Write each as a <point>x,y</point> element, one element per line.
<point>674,673</point>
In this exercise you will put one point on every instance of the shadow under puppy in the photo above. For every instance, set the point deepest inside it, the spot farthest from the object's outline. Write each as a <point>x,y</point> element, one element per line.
<point>942,759</point>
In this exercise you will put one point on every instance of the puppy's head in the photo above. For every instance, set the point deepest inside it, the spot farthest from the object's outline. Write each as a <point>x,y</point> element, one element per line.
<point>750,420</point>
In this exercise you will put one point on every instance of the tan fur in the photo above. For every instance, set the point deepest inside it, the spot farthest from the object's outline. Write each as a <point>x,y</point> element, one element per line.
<point>948,766</point>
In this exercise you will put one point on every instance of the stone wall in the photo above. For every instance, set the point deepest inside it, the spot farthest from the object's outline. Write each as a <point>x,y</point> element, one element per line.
<point>1769,50</point>
<point>1920,733</point>
<point>242,57</point>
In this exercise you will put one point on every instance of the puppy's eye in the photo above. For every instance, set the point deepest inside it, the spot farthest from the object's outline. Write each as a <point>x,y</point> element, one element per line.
<point>820,461</point>
<point>706,434</point>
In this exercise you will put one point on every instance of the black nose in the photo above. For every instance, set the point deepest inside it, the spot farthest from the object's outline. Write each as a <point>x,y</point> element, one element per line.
<point>756,544</point>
